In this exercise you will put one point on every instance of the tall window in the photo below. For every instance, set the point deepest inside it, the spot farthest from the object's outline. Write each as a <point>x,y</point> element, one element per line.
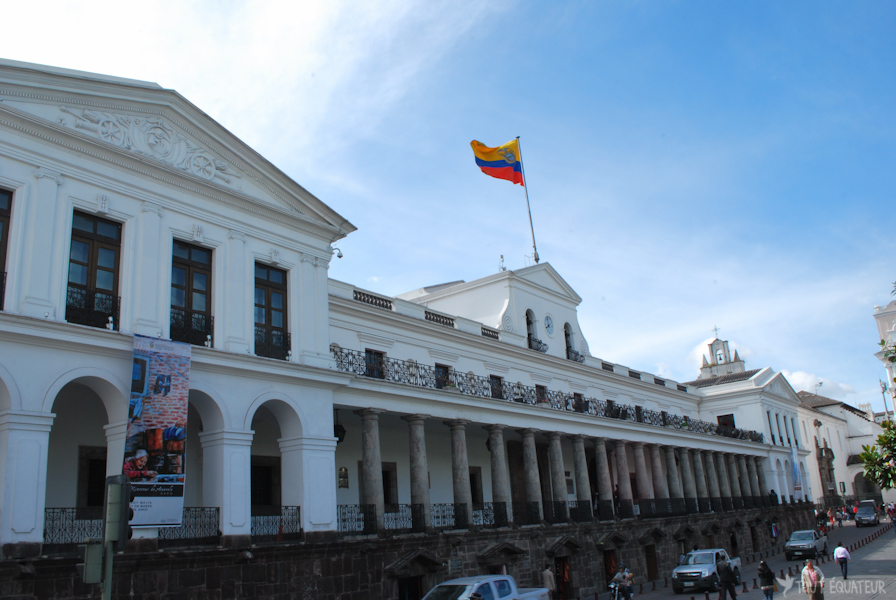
<point>271,333</point>
<point>92,297</point>
<point>497,386</point>
<point>5,211</point>
<point>375,364</point>
<point>191,302</point>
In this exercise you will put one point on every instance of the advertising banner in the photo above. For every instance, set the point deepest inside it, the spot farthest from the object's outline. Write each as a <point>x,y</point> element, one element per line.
<point>155,448</point>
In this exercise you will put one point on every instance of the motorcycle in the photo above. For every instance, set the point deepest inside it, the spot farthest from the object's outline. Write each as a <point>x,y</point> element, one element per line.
<point>617,593</point>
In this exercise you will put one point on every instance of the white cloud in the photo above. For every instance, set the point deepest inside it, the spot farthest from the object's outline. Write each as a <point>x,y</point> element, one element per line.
<point>802,381</point>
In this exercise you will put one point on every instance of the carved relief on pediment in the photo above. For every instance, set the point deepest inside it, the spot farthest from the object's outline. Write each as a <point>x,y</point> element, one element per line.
<point>153,137</point>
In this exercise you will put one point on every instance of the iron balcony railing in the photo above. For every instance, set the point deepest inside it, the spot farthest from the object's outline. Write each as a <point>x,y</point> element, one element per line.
<point>191,327</point>
<point>358,519</point>
<point>575,355</point>
<point>537,345</point>
<point>200,527</point>
<point>64,528</point>
<point>92,308</point>
<point>449,516</point>
<point>410,372</point>
<point>272,343</point>
<point>276,523</point>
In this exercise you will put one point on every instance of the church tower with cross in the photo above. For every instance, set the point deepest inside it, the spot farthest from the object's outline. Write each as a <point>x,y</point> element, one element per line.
<point>719,361</point>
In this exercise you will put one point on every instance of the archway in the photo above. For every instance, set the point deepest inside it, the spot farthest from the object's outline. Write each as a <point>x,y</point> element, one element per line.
<point>276,488</point>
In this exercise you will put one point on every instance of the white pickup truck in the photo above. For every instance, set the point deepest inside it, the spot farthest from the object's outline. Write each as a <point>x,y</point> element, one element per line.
<point>487,587</point>
<point>699,571</point>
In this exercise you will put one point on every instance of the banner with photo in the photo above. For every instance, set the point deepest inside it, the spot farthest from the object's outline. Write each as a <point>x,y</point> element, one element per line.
<point>155,448</point>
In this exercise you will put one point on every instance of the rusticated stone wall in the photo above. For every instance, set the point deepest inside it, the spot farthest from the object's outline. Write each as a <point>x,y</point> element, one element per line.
<point>371,568</point>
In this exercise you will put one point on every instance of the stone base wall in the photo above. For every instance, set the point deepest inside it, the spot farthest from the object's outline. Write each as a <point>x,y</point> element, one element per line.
<point>373,568</point>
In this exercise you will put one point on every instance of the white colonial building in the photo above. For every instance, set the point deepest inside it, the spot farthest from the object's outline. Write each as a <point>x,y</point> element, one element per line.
<point>126,210</point>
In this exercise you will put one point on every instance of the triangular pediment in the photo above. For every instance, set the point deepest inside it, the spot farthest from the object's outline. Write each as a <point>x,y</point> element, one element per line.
<point>611,538</point>
<point>501,553</point>
<point>544,276</point>
<point>417,562</point>
<point>153,131</point>
<point>563,546</point>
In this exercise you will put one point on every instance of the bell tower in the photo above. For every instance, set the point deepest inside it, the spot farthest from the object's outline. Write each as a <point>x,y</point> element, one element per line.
<point>720,362</point>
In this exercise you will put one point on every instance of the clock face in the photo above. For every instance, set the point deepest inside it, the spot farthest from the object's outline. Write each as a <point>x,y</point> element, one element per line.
<point>549,325</point>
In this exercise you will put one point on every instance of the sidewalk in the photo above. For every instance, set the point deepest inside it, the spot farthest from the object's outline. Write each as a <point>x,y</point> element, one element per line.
<point>872,571</point>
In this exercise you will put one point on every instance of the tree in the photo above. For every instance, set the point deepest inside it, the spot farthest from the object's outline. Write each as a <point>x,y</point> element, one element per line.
<point>880,460</point>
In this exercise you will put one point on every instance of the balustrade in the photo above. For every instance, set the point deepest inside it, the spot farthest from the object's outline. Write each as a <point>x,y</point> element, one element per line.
<point>200,526</point>
<point>276,523</point>
<point>413,373</point>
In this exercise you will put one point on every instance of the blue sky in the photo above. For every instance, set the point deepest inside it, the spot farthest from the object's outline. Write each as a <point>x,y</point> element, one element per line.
<point>689,164</point>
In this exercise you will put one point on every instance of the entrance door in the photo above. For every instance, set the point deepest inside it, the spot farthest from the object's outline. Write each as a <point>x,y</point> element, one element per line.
<point>410,588</point>
<point>611,562</point>
<point>562,575</point>
<point>650,558</point>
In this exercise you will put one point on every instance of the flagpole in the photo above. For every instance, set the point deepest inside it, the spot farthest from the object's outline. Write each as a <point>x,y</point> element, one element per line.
<point>526,188</point>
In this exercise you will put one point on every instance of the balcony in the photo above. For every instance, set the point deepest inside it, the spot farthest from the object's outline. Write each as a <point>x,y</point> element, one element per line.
<point>536,344</point>
<point>276,523</point>
<point>92,308</point>
<point>272,343</point>
<point>65,528</point>
<point>409,372</point>
<point>574,355</point>
<point>191,327</point>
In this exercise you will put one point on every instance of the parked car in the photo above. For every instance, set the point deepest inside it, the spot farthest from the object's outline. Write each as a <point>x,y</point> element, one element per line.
<point>867,515</point>
<point>805,543</point>
<point>699,571</point>
<point>489,587</point>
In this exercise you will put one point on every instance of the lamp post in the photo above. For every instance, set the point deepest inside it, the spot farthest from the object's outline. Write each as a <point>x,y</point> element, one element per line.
<point>883,393</point>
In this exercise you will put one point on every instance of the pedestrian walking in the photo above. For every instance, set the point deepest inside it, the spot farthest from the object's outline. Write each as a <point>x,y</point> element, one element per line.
<point>841,555</point>
<point>548,581</point>
<point>812,581</point>
<point>839,518</point>
<point>766,580</point>
<point>726,579</point>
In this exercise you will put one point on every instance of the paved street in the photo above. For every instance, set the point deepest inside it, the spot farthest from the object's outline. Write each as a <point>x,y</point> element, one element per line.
<point>872,571</point>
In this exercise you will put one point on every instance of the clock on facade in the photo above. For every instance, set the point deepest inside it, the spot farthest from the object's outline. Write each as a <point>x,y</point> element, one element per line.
<point>549,325</point>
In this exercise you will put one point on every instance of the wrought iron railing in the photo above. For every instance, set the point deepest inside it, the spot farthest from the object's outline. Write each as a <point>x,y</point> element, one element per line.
<point>574,355</point>
<point>272,343</point>
<point>405,517</point>
<point>357,519</point>
<point>580,511</point>
<point>490,514</point>
<point>276,523</point>
<point>556,512</point>
<point>704,505</point>
<point>526,513</point>
<point>191,327</point>
<point>605,510</point>
<point>92,308</point>
<point>200,527</point>
<point>69,526</point>
<point>439,319</point>
<point>449,516</point>
<point>372,300</point>
<point>537,345</point>
<point>413,373</point>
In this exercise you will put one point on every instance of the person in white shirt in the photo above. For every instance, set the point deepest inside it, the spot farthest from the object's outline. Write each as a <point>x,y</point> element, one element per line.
<point>841,555</point>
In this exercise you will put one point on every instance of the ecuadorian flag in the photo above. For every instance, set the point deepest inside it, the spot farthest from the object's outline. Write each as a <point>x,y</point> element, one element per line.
<point>502,162</point>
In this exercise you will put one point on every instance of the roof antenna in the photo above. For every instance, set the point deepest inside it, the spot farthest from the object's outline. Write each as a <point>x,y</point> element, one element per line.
<point>501,264</point>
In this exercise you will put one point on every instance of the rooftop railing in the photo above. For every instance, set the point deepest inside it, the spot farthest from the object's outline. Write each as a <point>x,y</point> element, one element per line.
<point>410,372</point>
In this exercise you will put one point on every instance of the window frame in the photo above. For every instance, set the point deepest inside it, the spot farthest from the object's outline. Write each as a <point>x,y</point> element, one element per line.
<point>197,325</point>
<point>268,346</point>
<point>5,221</point>
<point>95,311</point>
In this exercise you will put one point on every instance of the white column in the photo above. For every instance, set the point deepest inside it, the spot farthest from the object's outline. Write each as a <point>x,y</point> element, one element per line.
<point>24,440</point>
<point>226,477</point>
<point>116,434</point>
<point>39,285</point>
<point>307,465</point>
<point>311,334</point>
<point>238,287</point>
<point>151,304</point>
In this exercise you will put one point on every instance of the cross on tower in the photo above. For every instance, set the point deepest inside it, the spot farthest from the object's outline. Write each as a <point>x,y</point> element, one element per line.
<point>716,331</point>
